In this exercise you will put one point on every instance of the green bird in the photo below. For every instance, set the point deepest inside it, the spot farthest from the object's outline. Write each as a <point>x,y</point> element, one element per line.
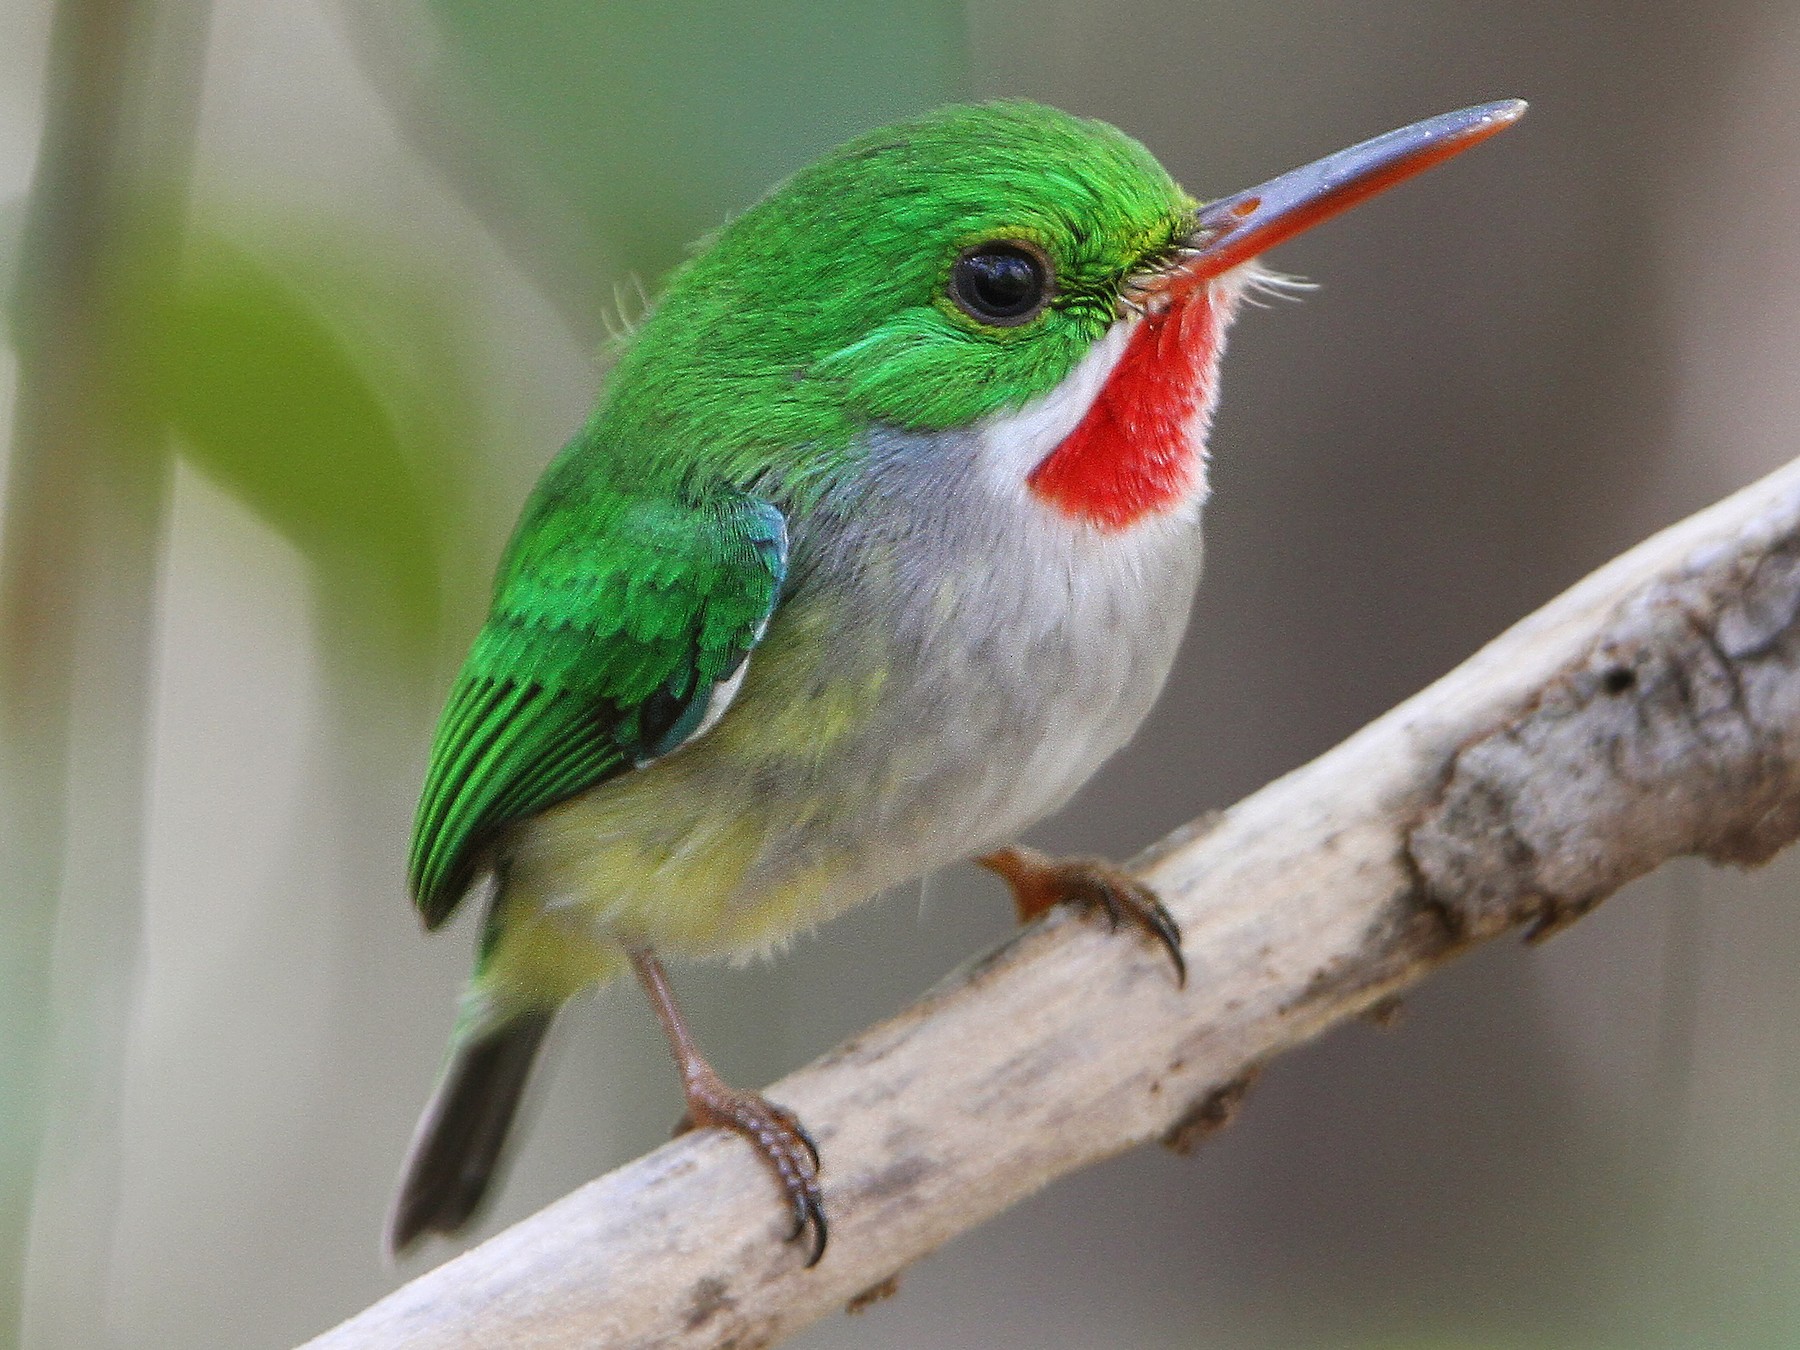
<point>880,540</point>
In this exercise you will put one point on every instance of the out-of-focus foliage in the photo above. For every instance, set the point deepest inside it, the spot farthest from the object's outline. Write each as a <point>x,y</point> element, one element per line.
<point>654,120</point>
<point>12,217</point>
<point>322,393</point>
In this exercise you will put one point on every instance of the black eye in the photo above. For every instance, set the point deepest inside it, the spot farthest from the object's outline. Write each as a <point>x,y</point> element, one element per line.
<point>1003,284</point>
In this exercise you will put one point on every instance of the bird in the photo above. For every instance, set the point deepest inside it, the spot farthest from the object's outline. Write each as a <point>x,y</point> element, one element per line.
<point>879,541</point>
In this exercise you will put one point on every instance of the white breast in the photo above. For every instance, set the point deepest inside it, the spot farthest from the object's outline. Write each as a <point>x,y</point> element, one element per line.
<point>1027,645</point>
<point>995,652</point>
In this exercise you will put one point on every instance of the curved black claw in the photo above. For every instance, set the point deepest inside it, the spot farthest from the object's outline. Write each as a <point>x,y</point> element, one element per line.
<point>1127,900</point>
<point>1039,881</point>
<point>777,1134</point>
<point>815,1215</point>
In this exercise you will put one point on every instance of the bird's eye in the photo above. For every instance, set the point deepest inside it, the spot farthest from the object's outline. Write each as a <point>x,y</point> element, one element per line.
<point>1002,284</point>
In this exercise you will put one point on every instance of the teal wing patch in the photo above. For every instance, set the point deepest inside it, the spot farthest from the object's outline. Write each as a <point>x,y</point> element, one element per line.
<point>604,645</point>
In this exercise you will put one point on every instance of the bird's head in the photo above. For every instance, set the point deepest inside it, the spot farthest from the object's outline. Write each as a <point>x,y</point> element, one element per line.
<point>976,264</point>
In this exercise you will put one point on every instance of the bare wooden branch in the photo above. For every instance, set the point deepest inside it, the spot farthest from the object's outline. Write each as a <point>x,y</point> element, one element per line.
<point>1653,710</point>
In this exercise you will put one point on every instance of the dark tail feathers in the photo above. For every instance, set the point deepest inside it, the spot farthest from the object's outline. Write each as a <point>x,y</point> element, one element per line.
<point>457,1145</point>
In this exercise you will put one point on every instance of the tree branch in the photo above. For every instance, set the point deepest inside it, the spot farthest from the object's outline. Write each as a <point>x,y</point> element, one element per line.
<point>1651,711</point>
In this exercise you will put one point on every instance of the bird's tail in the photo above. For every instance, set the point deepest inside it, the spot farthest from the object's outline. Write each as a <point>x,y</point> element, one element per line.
<point>459,1138</point>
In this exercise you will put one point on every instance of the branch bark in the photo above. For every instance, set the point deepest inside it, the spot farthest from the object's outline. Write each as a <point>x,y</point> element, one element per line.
<point>1651,711</point>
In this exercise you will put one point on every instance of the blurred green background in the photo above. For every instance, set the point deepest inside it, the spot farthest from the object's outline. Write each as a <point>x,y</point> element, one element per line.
<point>302,297</point>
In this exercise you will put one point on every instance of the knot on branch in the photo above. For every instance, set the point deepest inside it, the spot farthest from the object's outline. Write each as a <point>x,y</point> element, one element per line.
<point>1677,733</point>
<point>1212,1113</point>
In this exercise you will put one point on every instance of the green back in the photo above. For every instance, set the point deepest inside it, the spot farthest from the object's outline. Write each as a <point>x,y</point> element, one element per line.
<point>606,639</point>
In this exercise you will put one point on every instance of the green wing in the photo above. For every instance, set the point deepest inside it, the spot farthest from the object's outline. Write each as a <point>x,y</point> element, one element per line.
<point>605,643</point>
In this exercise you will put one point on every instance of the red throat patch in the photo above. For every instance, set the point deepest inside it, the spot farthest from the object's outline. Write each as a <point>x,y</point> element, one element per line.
<point>1133,453</point>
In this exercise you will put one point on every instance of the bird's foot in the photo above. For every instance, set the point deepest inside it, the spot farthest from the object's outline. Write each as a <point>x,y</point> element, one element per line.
<point>774,1132</point>
<point>1039,881</point>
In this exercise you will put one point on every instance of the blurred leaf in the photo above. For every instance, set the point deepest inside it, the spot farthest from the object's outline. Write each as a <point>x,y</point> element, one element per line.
<point>12,225</point>
<point>314,426</point>
<point>655,122</point>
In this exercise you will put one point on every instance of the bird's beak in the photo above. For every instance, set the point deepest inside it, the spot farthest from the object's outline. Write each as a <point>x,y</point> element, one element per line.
<point>1235,229</point>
